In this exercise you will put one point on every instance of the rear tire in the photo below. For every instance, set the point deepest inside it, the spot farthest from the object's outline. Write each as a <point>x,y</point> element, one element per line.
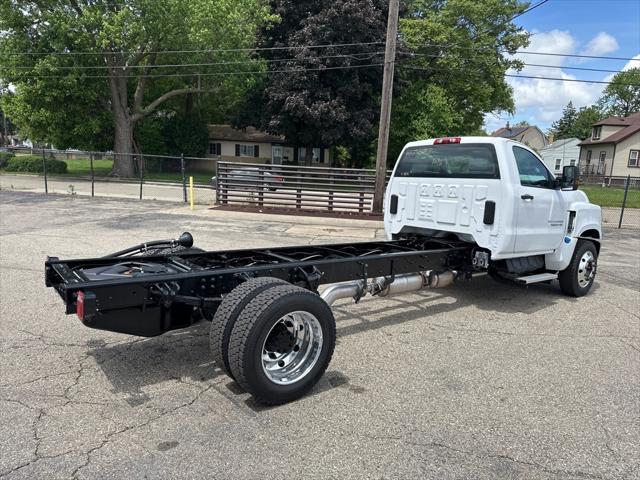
<point>227,314</point>
<point>281,344</point>
<point>577,279</point>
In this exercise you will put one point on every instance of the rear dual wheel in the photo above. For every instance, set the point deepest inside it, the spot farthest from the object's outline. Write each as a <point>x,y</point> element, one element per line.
<point>280,343</point>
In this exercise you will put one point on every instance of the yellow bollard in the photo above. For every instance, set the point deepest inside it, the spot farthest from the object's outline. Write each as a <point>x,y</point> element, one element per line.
<point>191,192</point>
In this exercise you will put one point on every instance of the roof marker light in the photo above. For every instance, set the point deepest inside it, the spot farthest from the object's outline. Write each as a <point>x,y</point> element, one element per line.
<point>446,140</point>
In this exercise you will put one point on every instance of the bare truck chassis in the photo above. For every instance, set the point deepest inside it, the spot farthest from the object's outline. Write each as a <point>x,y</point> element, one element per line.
<point>270,330</point>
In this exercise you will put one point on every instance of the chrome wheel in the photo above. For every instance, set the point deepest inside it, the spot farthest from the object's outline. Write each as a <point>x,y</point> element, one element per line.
<point>586,269</point>
<point>292,347</point>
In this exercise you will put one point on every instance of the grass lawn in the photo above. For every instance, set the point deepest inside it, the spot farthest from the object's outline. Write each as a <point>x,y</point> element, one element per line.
<point>612,196</point>
<point>102,168</point>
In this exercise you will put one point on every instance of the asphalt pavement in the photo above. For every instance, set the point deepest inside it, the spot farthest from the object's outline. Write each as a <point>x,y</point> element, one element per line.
<point>478,381</point>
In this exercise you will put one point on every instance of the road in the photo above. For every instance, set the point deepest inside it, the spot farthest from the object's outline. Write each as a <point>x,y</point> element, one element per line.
<point>481,380</point>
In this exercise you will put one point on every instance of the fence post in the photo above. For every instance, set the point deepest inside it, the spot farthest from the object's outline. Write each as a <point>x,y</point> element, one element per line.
<point>624,200</point>
<point>217,183</point>
<point>141,168</point>
<point>44,169</point>
<point>298,198</point>
<point>330,200</point>
<point>361,202</point>
<point>184,178</point>
<point>92,174</point>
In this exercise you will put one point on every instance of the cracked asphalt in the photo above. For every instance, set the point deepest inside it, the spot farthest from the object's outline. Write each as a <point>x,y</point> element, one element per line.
<point>481,380</point>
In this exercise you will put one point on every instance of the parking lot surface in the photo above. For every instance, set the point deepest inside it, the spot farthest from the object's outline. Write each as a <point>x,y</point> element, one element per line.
<point>481,380</point>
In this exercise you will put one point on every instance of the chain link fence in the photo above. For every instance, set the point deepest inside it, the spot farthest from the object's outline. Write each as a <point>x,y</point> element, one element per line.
<point>619,198</point>
<point>167,178</point>
<point>152,177</point>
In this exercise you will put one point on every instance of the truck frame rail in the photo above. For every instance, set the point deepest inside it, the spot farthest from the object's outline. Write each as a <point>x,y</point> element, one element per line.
<point>151,294</point>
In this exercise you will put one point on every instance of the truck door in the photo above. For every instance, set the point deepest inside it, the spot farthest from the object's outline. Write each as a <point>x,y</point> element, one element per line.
<point>540,211</point>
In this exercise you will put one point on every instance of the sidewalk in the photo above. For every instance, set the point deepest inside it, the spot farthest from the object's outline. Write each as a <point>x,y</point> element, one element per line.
<point>118,189</point>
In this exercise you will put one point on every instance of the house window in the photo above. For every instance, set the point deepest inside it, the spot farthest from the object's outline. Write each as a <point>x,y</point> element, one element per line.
<point>215,148</point>
<point>558,163</point>
<point>572,163</point>
<point>315,156</point>
<point>588,157</point>
<point>247,150</point>
<point>596,133</point>
<point>601,162</point>
<point>634,156</point>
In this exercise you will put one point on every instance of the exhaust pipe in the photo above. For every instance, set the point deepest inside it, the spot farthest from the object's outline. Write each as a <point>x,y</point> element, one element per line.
<point>385,286</point>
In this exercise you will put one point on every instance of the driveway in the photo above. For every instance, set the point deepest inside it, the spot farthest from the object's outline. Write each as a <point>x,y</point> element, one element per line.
<point>481,380</point>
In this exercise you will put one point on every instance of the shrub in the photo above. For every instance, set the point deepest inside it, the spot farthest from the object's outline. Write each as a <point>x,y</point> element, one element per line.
<point>33,164</point>
<point>4,158</point>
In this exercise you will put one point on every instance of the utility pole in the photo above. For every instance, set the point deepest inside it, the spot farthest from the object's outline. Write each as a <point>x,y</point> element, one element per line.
<point>5,138</point>
<point>385,107</point>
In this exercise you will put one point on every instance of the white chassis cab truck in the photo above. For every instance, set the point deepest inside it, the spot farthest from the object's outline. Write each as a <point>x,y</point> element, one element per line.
<point>454,208</point>
<point>497,194</point>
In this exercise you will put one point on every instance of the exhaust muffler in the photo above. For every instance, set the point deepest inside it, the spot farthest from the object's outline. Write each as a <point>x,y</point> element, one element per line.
<point>385,286</point>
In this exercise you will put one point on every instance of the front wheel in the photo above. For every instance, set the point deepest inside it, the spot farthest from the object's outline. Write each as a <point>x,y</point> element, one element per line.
<point>281,344</point>
<point>577,279</point>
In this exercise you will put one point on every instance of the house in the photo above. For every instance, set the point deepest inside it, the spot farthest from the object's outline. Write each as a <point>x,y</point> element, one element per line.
<point>253,146</point>
<point>529,135</point>
<point>561,153</point>
<point>613,148</point>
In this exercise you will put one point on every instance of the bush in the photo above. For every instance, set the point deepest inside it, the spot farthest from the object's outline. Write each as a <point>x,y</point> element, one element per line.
<point>4,158</point>
<point>33,164</point>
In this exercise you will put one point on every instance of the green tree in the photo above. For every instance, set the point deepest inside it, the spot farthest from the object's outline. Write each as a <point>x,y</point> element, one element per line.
<point>622,95</point>
<point>86,73</point>
<point>450,68</point>
<point>575,123</point>
<point>563,127</point>
<point>321,96</point>
<point>585,118</point>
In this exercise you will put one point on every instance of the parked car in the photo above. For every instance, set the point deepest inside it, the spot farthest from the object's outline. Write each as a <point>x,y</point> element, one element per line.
<point>251,177</point>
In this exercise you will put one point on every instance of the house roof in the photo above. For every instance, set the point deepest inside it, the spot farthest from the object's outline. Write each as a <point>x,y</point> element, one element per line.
<point>512,132</point>
<point>560,143</point>
<point>619,121</point>
<point>249,135</point>
<point>630,126</point>
<point>509,132</point>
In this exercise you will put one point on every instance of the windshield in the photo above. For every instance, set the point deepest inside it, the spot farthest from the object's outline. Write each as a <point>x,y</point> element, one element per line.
<point>471,160</point>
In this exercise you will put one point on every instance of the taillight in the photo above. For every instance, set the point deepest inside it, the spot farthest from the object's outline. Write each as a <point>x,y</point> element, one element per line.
<point>446,140</point>
<point>280,179</point>
<point>80,305</point>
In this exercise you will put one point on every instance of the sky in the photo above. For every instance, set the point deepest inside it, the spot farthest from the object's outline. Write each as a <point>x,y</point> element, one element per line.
<point>587,27</point>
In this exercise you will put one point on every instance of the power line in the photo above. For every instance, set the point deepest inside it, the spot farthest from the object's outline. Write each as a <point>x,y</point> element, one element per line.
<point>252,49</point>
<point>586,69</point>
<point>574,55</point>
<point>302,47</point>
<point>319,69</point>
<point>180,65</point>
<point>532,7</point>
<point>212,74</point>
<point>578,80</point>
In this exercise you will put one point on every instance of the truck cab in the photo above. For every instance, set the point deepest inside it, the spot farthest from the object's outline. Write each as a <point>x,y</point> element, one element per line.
<point>499,195</point>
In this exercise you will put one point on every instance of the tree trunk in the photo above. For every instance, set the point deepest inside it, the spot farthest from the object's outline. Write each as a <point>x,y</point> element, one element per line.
<point>123,147</point>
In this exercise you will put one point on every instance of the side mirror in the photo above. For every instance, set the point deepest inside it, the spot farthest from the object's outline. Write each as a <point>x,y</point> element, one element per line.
<point>569,179</point>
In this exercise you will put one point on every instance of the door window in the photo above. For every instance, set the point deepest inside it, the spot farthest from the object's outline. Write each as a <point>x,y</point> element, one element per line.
<point>531,169</point>
<point>276,154</point>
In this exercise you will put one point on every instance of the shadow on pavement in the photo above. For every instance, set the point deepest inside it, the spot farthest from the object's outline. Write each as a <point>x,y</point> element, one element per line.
<point>179,354</point>
<point>184,354</point>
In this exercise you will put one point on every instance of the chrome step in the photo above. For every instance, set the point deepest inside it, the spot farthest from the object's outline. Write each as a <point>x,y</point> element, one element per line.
<point>537,278</point>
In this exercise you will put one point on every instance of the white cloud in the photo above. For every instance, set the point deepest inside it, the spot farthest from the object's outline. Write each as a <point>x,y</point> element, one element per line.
<point>635,63</point>
<point>601,44</point>
<point>541,101</point>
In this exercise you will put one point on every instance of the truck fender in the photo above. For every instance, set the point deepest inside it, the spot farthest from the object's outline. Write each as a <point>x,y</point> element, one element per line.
<point>584,228</point>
